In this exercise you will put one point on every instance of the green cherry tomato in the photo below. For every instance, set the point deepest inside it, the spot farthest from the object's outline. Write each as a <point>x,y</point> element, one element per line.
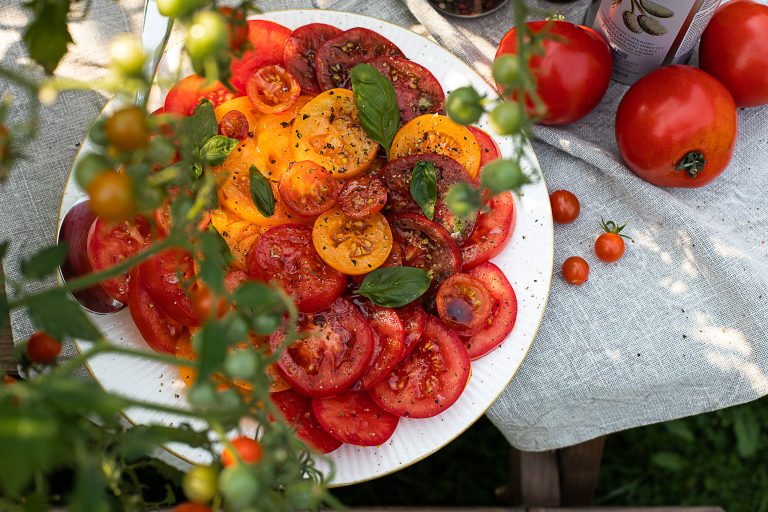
<point>464,105</point>
<point>207,34</point>
<point>126,55</point>
<point>239,485</point>
<point>502,175</point>
<point>176,8</point>
<point>200,484</point>
<point>88,167</point>
<point>241,364</point>
<point>202,394</point>
<point>463,199</point>
<point>506,119</point>
<point>506,70</point>
<point>98,132</point>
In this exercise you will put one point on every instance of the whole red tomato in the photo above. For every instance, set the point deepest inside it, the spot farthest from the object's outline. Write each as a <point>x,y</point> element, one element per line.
<point>676,127</point>
<point>572,74</point>
<point>734,49</point>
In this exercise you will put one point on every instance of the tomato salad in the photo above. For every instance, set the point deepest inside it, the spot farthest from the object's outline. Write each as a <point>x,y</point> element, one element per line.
<point>342,209</point>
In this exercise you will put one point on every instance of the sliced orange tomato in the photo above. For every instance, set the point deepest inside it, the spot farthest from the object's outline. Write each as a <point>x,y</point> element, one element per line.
<point>352,246</point>
<point>432,133</point>
<point>308,189</point>
<point>328,132</point>
<point>272,89</point>
<point>237,232</point>
<point>187,93</point>
<point>242,105</point>
<point>274,135</point>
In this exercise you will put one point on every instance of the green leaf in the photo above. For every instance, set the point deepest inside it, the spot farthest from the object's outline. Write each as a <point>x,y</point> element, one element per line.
<point>60,316</point>
<point>261,305</point>
<point>214,339</point>
<point>680,429</point>
<point>261,193</point>
<point>78,395</point>
<point>44,262</point>
<point>668,460</point>
<point>142,439</point>
<point>376,104</point>
<point>424,187</point>
<point>746,428</point>
<point>196,129</point>
<point>89,494</point>
<point>47,36</point>
<point>213,265</point>
<point>392,287</point>
<point>217,149</point>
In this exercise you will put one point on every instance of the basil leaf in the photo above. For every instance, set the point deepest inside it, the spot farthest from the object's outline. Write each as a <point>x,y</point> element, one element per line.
<point>213,265</point>
<point>261,193</point>
<point>44,262</point>
<point>217,149</point>
<point>47,36</point>
<point>392,287</point>
<point>376,104</point>
<point>424,187</point>
<point>196,129</point>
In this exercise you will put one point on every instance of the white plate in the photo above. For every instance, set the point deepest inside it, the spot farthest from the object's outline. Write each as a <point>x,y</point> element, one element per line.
<point>527,262</point>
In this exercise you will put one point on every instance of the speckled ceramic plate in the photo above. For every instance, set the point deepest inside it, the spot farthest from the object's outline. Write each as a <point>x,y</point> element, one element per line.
<point>527,262</point>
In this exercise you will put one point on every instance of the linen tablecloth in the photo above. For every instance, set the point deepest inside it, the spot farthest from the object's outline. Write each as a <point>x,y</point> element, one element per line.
<point>677,327</point>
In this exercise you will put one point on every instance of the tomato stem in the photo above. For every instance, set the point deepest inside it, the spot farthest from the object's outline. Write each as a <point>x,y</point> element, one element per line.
<point>692,163</point>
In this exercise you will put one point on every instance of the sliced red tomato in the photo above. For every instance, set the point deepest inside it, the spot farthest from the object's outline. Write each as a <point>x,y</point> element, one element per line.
<point>353,417</point>
<point>414,320</point>
<point>493,230</point>
<point>489,150</point>
<point>286,254</point>
<point>429,380</point>
<point>308,189</point>
<point>187,93</point>
<point>503,313</point>
<point>109,244</point>
<point>464,304</point>
<point>418,91</point>
<point>337,56</point>
<point>297,411</point>
<point>397,176</point>
<point>160,331</point>
<point>332,351</point>
<point>272,89</point>
<point>300,51</point>
<point>234,279</point>
<point>388,343</point>
<point>268,39</point>
<point>163,276</point>
<point>362,196</point>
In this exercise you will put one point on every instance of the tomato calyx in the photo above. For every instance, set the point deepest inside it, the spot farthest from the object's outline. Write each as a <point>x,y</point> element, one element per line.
<point>612,227</point>
<point>692,163</point>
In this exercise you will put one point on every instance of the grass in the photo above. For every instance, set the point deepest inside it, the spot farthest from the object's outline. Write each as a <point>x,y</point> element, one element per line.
<point>719,458</point>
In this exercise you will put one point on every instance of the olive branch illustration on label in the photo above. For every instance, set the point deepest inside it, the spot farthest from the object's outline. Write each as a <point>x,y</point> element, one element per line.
<point>645,20</point>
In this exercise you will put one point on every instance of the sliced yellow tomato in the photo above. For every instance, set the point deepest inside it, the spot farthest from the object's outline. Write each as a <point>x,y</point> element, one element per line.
<point>328,132</point>
<point>238,233</point>
<point>432,133</point>
<point>352,246</point>
<point>242,105</point>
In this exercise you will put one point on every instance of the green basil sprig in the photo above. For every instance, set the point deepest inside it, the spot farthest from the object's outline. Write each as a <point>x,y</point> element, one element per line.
<point>392,287</point>
<point>216,149</point>
<point>424,187</point>
<point>376,104</point>
<point>261,193</point>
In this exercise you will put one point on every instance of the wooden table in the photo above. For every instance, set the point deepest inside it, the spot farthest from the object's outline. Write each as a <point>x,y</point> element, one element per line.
<point>7,361</point>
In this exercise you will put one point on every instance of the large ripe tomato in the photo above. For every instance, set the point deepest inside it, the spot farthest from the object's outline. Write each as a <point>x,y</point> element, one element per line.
<point>165,276</point>
<point>673,135</point>
<point>352,417</point>
<point>573,73</point>
<point>332,352</point>
<point>160,331</point>
<point>109,244</point>
<point>388,343</point>
<point>734,49</point>
<point>430,379</point>
<point>187,93</point>
<point>493,230</point>
<point>297,411</point>
<point>267,39</point>
<point>300,51</point>
<point>285,254</point>
<point>503,315</point>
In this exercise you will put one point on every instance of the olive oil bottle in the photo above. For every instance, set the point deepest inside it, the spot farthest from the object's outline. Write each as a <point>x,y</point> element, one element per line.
<point>647,34</point>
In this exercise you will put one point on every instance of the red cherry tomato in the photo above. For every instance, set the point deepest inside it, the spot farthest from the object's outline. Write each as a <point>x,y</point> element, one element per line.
<point>609,247</point>
<point>190,506</point>
<point>430,379</point>
<point>234,125</point>
<point>300,51</point>
<point>388,343</point>
<point>248,449</point>
<point>109,244</point>
<point>575,270</point>
<point>674,136</point>
<point>204,303</point>
<point>297,411</point>
<point>418,91</point>
<point>272,89</point>
<point>42,348</point>
<point>308,189</point>
<point>165,277</point>
<point>362,196</point>
<point>493,230</point>
<point>501,320</point>
<point>734,49</point>
<point>565,206</point>
<point>287,255</point>
<point>573,73</point>
<point>463,303</point>
<point>352,417</point>
<point>160,331</point>
<point>268,40</point>
<point>184,97</point>
<point>489,150</point>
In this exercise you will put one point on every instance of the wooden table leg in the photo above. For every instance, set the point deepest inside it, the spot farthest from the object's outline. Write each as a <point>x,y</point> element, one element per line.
<point>7,361</point>
<point>579,469</point>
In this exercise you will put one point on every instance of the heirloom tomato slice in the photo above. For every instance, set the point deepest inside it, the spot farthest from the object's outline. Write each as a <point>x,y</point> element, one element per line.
<point>388,343</point>
<point>163,275</point>
<point>414,320</point>
<point>464,304</point>
<point>353,417</point>
<point>268,39</point>
<point>297,411</point>
<point>300,51</point>
<point>418,91</point>
<point>362,196</point>
<point>493,229</point>
<point>184,97</point>
<point>238,233</point>
<point>160,331</point>
<point>501,319</point>
<point>272,89</point>
<point>308,189</point>
<point>489,150</point>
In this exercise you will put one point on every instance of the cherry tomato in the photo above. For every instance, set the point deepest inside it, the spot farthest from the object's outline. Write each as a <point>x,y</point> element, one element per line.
<point>248,449</point>
<point>165,276</point>
<point>308,189</point>
<point>297,411</point>
<point>200,484</point>
<point>463,303</point>
<point>388,343</point>
<point>177,8</point>
<point>268,41</point>
<point>573,73</point>
<point>464,105</point>
<point>493,229</point>
<point>352,246</point>
<point>160,331</point>
<point>362,196</point>
<point>565,206</point>
<point>204,303</point>
<point>126,56</point>
<point>237,27</point>
<point>609,246</point>
<point>234,125</point>
<point>186,94</point>
<point>418,91</point>
<point>734,49</point>
<point>489,150</point>
<point>353,417</point>
<point>575,270</point>
<point>126,129</point>
<point>112,196</point>
<point>430,379</point>
<point>109,244</point>
<point>272,89</point>
<point>328,132</point>
<point>337,56</point>
<point>438,134</point>
<point>189,506</point>
<point>300,51</point>
<point>332,352</point>
<point>503,314</point>
<point>285,254</point>
<point>506,118</point>
<point>8,380</point>
<point>207,34</point>
<point>688,149</point>
<point>414,320</point>
<point>43,348</point>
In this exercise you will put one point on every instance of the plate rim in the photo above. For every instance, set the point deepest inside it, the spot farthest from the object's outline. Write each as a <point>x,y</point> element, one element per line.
<point>530,155</point>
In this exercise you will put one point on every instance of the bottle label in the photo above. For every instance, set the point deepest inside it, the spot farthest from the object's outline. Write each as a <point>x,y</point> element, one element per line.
<point>695,29</point>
